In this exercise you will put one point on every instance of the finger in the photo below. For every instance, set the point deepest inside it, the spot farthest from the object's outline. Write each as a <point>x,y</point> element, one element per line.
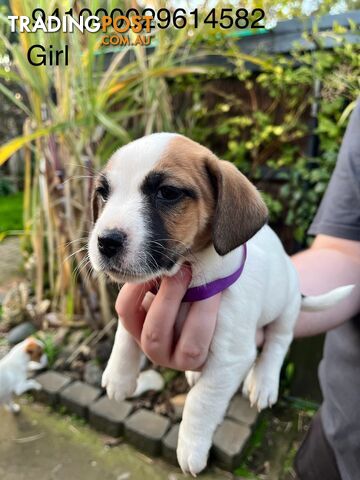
<point>196,335</point>
<point>148,299</point>
<point>129,307</point>
<point>158,330</point>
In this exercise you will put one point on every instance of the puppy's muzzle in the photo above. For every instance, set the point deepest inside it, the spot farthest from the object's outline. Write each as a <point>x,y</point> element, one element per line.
<point>112,243</point>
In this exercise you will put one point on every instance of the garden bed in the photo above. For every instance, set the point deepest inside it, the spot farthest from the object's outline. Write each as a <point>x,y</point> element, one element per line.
<point>150,421</point>
<point>147,422</point>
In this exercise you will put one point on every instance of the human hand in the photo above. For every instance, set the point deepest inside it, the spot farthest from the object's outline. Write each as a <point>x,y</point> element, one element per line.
<point>150,319</point>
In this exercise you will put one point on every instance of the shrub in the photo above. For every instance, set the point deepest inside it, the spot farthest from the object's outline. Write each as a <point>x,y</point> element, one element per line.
<point>75,117</point>
<point>261,121</point>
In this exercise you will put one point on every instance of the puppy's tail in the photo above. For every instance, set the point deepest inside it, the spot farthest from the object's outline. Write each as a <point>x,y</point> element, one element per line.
<point>315,303</point>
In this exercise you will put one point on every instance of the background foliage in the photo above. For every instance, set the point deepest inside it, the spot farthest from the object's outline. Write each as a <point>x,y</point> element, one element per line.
<point>261,121</point>
<point>73,117</point>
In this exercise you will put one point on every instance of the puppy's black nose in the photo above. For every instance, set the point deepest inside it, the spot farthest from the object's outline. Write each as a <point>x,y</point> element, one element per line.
<point>111,242</point>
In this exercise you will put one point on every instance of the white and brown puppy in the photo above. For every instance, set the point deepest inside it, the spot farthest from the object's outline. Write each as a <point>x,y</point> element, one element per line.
<point>14,370</point>
<point>162,200</point>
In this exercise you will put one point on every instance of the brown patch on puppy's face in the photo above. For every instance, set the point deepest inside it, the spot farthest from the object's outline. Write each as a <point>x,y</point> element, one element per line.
<point>219,204</point>
<point>187,220</point>
<point>34,350</point>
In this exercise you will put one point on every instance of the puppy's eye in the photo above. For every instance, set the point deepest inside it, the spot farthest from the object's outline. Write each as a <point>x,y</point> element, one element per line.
<point>169,194</point>
<point>103,193</point>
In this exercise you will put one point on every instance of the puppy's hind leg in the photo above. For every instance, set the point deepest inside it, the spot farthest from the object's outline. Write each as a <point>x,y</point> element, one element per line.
<point>262,382</point>
<point>206,405</point>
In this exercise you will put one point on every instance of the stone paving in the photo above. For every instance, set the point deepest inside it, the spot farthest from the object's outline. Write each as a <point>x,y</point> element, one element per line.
<point>145,429</point>
<point>148,431</point>
<point>37,445</point>
<point>108,416</point>
<point>78,396</point>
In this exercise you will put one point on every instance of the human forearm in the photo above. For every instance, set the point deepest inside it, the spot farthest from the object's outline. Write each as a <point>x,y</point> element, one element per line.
<point>328,264</point>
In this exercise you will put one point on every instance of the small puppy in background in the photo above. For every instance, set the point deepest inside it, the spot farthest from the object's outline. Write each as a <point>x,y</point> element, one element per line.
<point>164,200</point>
<point>14,367</point>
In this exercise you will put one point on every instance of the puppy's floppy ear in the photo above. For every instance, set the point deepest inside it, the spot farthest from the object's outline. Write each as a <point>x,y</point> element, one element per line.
<point>239,212</point>
<point>33,349</point>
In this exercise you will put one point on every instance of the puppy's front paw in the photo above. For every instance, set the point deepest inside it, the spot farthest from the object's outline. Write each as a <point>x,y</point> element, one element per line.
<point>192,452</point>
<point>118,385</point>
<point>261,387</point>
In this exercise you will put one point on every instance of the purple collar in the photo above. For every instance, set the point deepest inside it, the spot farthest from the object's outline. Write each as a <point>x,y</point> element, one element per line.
<point>195,294</point>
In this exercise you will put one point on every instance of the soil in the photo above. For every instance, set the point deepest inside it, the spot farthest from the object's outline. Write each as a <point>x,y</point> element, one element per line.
<point>275,441</point>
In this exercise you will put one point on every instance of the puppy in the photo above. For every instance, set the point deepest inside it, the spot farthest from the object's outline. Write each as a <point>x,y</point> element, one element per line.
<point>163,200</point>
<point>14,368</point>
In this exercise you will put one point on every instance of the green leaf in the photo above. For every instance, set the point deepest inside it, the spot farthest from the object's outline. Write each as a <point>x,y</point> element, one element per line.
<point>7,150</point>
<point>112,126</point>
<point>10,95</point>
<point>346,113</point>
